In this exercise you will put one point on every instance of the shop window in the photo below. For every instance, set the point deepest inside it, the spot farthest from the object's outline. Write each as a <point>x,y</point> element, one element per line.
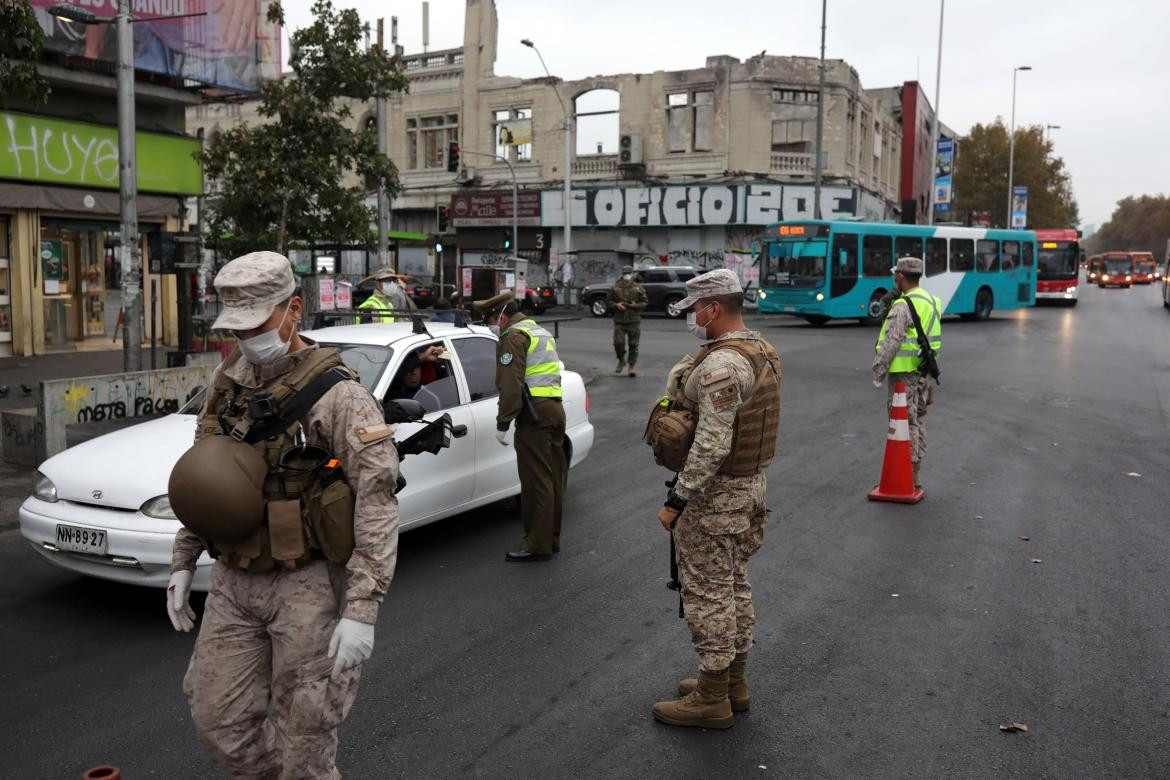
<point>962,255</point>
<point>936,256</point>
<point>598,121</point>
<point>876,258</point>
<point>986,255</point>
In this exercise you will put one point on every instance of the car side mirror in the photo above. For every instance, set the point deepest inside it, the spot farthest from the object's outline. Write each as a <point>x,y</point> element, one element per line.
<point>402,410</point>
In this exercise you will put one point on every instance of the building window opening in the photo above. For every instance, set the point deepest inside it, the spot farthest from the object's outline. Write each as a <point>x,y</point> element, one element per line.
<point>427,138</point>
<point>598,122</point>
<point>510,126</point>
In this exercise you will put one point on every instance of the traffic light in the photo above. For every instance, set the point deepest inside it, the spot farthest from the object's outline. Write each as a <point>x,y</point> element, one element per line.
<point>507,240</point>
<point>453,156</point>
<point>444,218</point>
<point>438,246</point>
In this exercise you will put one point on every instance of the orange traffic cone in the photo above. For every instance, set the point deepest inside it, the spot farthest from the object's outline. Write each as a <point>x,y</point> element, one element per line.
<point>897,483</point>
<point>104,772</point>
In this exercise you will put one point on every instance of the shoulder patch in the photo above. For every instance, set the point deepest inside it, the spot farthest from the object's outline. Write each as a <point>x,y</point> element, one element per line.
<point>718,375</point>
<point>506,359</point>
<point>373,433</point>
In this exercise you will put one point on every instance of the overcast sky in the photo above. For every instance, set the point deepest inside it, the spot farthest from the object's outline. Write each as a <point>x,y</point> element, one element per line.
<point>1099,69</point>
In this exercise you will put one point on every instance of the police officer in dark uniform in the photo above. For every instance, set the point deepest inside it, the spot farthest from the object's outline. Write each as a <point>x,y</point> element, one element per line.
<point>528,378</point>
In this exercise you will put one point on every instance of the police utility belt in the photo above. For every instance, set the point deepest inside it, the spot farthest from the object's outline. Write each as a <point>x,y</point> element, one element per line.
<point>258,495</point>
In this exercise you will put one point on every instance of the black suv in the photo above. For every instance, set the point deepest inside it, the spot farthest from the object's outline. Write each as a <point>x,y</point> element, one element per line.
<point>665,286</point>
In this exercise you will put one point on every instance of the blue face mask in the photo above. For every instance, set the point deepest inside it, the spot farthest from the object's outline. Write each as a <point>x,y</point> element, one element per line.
<point>627,277</point>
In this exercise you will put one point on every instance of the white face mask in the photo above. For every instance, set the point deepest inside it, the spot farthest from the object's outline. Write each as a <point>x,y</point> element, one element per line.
<point>495,329</point>
<point>697,330</point>
<point>626,277</point>
<point>267,347</point>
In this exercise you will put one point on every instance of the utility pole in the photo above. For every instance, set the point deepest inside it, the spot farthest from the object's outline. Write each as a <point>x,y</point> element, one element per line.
<point>131,260</point>
<point>820,119</point>
<point>383,148</point>
<point>1012,146</point>
<point>937,115</point>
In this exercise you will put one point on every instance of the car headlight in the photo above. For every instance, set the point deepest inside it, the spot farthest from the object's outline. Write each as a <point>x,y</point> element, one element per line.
<point>820,296</point>
<point>763,295</point>
<point>1104,277</point>
<point>1129,278</point>
<point>159,507</point>
<point>44,489</point>
<point>1071,290</point>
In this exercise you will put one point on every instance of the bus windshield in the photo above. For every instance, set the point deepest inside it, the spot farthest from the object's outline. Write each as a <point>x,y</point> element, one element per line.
<point>1118,265</point>
<point>794,264</point>
<point>1058,260</point>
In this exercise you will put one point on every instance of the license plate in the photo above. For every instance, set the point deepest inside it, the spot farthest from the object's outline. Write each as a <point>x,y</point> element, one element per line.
<point>83,540</point>
<point>789,308</point>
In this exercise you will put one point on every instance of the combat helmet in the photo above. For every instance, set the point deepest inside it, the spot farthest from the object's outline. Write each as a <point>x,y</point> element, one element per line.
<point>217,489</point>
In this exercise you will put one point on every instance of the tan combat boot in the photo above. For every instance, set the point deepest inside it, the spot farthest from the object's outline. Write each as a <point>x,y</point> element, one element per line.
<point>707,706</point>
<point>917,481</point>
<point>621,366</point>
<point>632,371</point>
<point>737,687</point>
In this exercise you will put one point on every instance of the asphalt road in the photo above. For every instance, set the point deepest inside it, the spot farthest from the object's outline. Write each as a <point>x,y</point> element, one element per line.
<point>892,640</point>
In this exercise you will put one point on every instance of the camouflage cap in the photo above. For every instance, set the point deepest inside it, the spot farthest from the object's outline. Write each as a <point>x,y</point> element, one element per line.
<point>251,287</point>
<point>909,265</point>
<point>493,306</point>
<point>627,269</point>
<point>710,285</point>
<point>385,274</point>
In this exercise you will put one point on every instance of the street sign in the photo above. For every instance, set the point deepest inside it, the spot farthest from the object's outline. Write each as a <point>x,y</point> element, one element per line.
<point>492,209</point>
<point>1019,208</point>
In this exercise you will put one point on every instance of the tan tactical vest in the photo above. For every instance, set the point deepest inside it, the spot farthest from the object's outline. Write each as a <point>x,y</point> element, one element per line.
<point>671,430</point>
<point>309,504</point>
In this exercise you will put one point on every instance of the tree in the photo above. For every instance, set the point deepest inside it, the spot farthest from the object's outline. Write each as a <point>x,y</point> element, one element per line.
<point>981,177</point>
<point>284,179</point>
<point>21,39</point>
<point>1140,224</point>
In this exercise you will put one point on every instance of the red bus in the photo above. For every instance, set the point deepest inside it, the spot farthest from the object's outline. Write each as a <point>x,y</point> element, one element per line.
<point>1058,267</point>
<point>1145,268</point>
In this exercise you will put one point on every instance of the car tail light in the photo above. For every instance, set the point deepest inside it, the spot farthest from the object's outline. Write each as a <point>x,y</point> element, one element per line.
<point>587,403</point>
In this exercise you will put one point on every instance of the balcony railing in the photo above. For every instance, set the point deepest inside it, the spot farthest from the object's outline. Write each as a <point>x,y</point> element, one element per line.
<point>792,162</point>
<point>596,167</point>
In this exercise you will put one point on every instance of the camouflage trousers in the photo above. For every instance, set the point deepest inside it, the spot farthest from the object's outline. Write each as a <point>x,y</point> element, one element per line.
<point>716,535</point>
<point>918,396</point>
<point>624,332</point>
<point>258,683</point>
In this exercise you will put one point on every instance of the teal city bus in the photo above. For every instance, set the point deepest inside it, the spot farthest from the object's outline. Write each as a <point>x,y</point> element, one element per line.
<point>822,270</point>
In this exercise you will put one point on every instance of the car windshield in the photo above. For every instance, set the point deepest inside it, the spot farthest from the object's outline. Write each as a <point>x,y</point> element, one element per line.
<point>368,361</point>
<point>1058,261</point>
<point>794,264</point>
<point>1118,265</point>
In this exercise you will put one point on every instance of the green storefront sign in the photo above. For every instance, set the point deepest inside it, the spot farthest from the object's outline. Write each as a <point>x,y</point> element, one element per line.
<point>55,151</point>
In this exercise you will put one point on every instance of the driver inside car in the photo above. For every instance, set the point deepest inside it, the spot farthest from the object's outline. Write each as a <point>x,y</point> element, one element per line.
<point>418,368</point>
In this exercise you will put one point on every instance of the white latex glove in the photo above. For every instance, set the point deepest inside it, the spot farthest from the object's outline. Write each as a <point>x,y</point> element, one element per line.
<point>502,437</point>
<point>352,643</point>
<point>178,601</point>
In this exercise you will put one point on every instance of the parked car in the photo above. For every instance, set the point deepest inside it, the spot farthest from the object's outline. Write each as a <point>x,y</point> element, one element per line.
<point>538,299</point>
<point>92,515</point>
<point>665,286</point>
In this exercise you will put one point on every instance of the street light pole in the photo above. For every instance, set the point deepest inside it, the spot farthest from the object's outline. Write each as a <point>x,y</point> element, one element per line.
<point>567,195</point>
<point>1047,135</point>
<point>131,260</point>
<point>381,120</point>
<point>1012,145</point>
<point>820,119</point>
<point>937,116</point>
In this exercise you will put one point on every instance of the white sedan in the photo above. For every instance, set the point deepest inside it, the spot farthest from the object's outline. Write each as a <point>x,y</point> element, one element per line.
<point>101,508</point>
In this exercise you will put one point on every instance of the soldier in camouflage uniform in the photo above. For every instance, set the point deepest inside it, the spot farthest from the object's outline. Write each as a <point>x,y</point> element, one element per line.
<point>278,657</point>
<point>627,301</point>
<point>897,357</point>
<point>717,508</point>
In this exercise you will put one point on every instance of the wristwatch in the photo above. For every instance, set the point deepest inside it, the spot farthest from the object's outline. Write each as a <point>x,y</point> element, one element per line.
<point>675,501</point>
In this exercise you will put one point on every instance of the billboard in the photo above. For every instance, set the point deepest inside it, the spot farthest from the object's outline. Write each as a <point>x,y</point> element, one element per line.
<point>944,169</point>
<point>491,209</point>
<point>1019,208</point>
<point>233,46</point>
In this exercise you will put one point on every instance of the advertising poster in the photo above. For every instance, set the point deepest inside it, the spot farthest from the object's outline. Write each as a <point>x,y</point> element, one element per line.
<point>325,295</point>
<point>944,168</point>
<point>232,45</point>
<point>342,297</point>
<point>1019,208</point>
<point>466,293</point>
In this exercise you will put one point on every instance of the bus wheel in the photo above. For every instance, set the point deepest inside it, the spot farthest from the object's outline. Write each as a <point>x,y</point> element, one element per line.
<point>817,320</point>
<point>876,309</point>
<point>984,303</point>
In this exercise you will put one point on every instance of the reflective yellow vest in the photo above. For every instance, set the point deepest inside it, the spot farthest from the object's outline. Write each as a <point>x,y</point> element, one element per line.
<point>929,309</point>
<point>384,305</point>
<point>542,367</point>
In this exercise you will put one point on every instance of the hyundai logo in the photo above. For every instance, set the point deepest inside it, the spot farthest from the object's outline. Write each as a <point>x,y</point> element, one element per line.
<point>97,495</point>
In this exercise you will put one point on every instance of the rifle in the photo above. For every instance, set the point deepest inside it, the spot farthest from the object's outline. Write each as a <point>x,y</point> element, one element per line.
<point>674,583</point>
<point>929,357</point>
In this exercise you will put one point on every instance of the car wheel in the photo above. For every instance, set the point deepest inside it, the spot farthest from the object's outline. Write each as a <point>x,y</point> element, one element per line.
<point>875,310</point>
<point>598,307</point>
<point>984,303</point>
<point>816,320</point>
<point>672,309</point>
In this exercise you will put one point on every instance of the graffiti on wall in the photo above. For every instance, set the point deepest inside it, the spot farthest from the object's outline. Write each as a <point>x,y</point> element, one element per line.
<point>695,206</point>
